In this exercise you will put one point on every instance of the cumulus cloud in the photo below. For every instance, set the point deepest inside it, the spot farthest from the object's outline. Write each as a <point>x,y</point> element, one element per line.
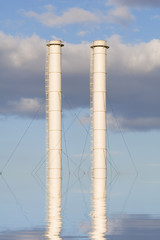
<point>132,79</point>
<point>20,52</point>
<point>120,15</point>
<point>22,66</point>
<point>139,58</point>
<point>133,82</point>
<point>135,3</point>
<point>70,16</point>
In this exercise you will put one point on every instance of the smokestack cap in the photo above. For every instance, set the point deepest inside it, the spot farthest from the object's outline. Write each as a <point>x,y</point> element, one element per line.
<point>99,43</point>
<point>55,42</point>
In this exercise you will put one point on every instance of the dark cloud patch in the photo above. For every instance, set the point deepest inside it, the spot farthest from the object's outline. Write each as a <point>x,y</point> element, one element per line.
<point>75,75</point>
<point>135,96</point>
<point>136,3</point>
<point>76,91</point>
<point>132,79</point>
<point>18,84</point>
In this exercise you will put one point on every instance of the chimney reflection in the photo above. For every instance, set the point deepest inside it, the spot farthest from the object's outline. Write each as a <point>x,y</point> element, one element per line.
<point>98,214</point>
<point>54,221</point>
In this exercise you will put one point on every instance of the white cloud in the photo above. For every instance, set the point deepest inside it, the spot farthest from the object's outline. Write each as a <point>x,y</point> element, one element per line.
<point>81,33</point>
<point>25,106</point>
<point>19,52</point>
<point>138,124</point>
<point>139,58</point>
<point>120,15</point>
<point>70,16</point>
<point>156,17</point>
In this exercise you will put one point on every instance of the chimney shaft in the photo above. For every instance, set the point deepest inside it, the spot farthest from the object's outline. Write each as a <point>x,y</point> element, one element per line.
<point>98,118</point>
<point>54,139</point>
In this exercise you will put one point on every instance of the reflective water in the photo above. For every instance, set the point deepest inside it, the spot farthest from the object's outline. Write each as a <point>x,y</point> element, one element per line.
<point>126,227</point>
<point>81,213</point>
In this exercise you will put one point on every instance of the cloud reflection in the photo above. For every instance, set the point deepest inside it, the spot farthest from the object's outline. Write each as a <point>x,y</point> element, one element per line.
<point>126,227</point>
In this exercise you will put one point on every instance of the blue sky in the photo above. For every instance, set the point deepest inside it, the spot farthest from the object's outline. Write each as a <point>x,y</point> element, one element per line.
<point>133,69</point>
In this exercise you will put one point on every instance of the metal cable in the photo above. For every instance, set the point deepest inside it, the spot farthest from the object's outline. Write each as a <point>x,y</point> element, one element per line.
<point>122,135</point>
<point>17,202</point>
<point>21,138</point>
